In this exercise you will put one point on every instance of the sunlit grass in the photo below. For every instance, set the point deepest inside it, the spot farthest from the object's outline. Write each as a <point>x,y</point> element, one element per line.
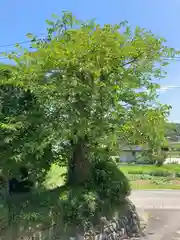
<point>55,177</point>
<point>145,169</point>
<point>148,185</point>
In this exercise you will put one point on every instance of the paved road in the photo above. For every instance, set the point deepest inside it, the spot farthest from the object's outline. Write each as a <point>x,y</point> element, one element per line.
<point>163,207</point>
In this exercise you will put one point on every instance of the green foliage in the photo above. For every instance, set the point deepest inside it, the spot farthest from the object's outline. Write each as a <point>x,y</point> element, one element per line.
<point>106,189</point>
<point>137,172</point>
<point>160,173</point>
<point>92,76</point>
<point>134,177</point>
<point>80,206</point>
<point>74,207</point>
<point>111,182</point>
<point>157,157</point>
<point>172,131</point>
<point>160,181</point>
<point>22,129</point>
<point>77,97</point>
<point>160,158</point>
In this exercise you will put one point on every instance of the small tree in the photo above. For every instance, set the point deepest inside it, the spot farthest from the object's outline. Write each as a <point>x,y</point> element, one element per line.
<point>21,125</point>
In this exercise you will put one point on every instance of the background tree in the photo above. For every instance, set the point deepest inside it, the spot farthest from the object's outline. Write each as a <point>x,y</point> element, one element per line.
<point>172,131</point>
<point>148,130</point>
<point>20,125</point>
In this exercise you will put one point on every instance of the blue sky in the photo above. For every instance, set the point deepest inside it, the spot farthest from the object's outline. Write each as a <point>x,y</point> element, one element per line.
<point>161,16</point>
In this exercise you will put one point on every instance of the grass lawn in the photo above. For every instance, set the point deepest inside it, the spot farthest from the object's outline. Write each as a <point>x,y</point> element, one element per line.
<point>147,184</point>
<point>55,177</point>
<point>147,168</point>
<point>141,177</point>
<point>165,170</point>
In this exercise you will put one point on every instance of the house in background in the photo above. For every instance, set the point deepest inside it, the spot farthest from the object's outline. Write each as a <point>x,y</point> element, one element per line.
<point>129,153</point>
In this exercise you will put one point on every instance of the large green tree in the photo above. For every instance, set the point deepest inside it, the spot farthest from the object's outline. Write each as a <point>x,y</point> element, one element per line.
<point>94,85</point>
<point>76,98</point>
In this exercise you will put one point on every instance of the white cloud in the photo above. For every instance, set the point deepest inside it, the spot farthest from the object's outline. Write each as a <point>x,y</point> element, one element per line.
<point>167,87</point>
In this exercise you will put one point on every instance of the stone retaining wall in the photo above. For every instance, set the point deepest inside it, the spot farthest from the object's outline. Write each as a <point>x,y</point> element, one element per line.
<point>127,224</point>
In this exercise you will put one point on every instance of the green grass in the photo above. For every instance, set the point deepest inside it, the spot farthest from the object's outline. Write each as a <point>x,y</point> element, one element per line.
<point>174,145</point>
<point>149,169</point>
<point>141,186</point>
<point>141,177</point>
<point>55,177</point>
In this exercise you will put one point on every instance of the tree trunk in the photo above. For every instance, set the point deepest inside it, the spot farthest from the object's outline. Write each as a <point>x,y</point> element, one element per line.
<point>79,165</point>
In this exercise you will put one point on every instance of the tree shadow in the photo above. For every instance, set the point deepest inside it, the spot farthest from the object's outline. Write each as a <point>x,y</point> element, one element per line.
<point>67,209</point>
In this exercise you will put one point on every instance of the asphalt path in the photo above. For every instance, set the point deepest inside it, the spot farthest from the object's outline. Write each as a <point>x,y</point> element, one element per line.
<point>163,209</point>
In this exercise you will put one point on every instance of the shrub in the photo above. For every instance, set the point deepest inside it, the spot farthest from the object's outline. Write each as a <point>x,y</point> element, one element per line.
<point>139,177</point>
<point>79,206</point>
<point>100,196</point>
<point>110,181</point>
<point>177,174</point>
<point>137,172</point>
<point>160,173</point>
<point>159,158</point>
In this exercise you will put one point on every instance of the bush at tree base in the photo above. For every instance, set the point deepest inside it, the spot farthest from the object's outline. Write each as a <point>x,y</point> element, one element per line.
<point>105,191</point>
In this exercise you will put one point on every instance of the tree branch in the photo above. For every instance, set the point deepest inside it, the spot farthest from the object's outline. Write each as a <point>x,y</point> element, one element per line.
<point>132,60</point>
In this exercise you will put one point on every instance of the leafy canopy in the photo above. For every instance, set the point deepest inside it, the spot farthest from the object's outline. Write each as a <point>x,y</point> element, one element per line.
<point>87,82</point>
<point>91,81</point>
